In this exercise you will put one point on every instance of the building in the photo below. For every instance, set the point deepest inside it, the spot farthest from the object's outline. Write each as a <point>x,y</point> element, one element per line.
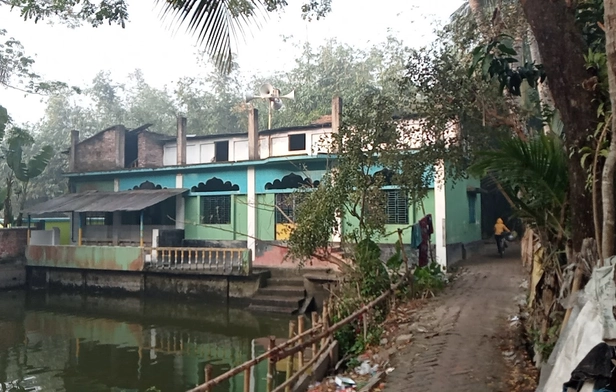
<point>139,189</point>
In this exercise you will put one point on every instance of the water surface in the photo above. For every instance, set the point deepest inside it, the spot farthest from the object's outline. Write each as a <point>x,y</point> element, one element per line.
<point>75,343</point>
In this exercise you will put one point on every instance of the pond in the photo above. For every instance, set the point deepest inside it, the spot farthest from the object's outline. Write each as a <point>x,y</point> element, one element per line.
<point>78,343</point>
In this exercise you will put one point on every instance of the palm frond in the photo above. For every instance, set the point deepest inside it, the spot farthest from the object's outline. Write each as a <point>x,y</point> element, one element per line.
<point>216,23</point>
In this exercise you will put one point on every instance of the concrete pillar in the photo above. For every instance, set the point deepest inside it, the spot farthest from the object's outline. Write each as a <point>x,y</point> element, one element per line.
<point>181,141</point>
<point>180,203</point>
<point>253,154</point>
<point>253,134</point>
<point>336,113</point>
<point>73,150</point>
<point>440,214</point>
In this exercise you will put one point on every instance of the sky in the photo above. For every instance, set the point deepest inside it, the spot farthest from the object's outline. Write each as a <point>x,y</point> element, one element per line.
<point>165,53</point>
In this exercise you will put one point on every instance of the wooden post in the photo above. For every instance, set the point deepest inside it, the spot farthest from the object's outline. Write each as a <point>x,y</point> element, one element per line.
<point>29,230</point>
<point>247,380</point>
<point>315,321</point>
<point>208,373</point>
<point>271,368</point>
<point>325,321</point>
<point>300,330</point>
<point>290,357</point>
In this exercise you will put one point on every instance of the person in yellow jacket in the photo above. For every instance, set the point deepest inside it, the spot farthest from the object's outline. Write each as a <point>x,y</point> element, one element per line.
<point>499,229</point>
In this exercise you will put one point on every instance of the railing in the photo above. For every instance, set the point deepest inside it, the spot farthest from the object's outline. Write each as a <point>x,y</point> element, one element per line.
<point>318,340</point>
<point>214,260</point>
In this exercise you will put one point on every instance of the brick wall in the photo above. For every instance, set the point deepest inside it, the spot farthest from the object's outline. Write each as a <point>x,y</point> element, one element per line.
<point>13,244</point>
<point>99,152</point>
<point>150,150</point>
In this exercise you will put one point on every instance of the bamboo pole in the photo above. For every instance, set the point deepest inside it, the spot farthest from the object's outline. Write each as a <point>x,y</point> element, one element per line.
<point>325,319</point>
<point>247,380</point>
<point>313,327</point>
<point>303,370</point>
<point>208,374</point>
<point>271,365</point>
<point>290,357</point>
<point>300,330</point>
<point>278,352</point>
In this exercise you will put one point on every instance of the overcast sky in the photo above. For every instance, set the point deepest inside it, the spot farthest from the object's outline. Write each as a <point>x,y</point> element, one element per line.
<point>164,54</point>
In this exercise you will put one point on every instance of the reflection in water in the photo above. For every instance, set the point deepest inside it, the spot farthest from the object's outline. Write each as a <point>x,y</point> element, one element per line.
<point>73,343</point>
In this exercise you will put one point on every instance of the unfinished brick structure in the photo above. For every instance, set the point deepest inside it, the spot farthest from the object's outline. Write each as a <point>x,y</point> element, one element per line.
<point>116,148</point>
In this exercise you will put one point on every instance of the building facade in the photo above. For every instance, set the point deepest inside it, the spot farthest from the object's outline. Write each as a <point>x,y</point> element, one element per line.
<point>231,191</point>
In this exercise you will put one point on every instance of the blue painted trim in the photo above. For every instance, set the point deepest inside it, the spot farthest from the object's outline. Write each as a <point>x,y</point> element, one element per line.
<point>227,193</point>
<point>207,166</point>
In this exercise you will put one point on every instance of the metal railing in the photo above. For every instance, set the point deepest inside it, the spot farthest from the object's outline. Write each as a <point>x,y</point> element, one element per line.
<point>228,261</point>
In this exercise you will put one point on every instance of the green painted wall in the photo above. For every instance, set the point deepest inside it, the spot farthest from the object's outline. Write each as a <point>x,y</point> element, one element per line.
<point>235,231</point>
<point>103,186</point>
<point>349,223</point>
<point>117,258</point>
<point>266,227</point>
<point>458,226</point>
<point>65,230</point>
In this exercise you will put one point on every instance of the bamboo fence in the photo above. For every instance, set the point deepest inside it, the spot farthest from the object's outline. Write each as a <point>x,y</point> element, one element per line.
<point>318,339</point>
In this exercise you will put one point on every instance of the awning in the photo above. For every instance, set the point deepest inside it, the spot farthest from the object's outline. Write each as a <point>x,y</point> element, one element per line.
<point>95,201</point>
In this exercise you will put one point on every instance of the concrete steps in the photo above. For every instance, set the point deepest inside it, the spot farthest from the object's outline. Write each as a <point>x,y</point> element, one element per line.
<point>282,294</point>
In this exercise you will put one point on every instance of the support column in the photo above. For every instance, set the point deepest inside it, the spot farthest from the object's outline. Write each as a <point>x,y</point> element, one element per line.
<point>180,204</point>
<point>440,214</point>
<point>141,229</point>
<point>253,154</point>
<point>116,226</point>
<point>80,232</point>
<point>252,213</point>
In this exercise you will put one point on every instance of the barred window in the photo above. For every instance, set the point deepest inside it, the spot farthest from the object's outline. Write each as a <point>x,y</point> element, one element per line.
<point>97,218</point>
<point>216,210</point>
<point>285,203</point>
<point>397,207</point>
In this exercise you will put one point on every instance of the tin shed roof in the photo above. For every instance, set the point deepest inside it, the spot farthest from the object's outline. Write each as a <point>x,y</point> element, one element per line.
<point>95,201</point>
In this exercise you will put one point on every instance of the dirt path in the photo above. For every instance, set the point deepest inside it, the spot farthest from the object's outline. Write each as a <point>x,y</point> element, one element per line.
<point>458,334</point>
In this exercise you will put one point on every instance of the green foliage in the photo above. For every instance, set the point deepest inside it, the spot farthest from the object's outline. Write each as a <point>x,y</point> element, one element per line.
<point>428,280</point>
<point>494,61</point>
<point>534,175</point>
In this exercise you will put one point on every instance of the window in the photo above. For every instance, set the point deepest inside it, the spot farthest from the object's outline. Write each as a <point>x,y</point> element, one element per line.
<point>221,153</point>
<point>397,208</point>
<point>216,210</point>
<point>297,142</point>
<point>472,202</point>
<point>98,218</point>
<point>285,203</point>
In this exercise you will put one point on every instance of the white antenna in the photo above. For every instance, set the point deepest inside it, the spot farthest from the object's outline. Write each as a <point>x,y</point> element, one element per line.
<point>271,94</point>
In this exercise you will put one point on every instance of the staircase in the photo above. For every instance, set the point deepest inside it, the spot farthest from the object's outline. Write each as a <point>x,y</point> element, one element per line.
<point>283,293</point>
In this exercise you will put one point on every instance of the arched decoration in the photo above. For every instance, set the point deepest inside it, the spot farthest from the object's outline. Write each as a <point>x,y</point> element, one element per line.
<point>291,181</point>
<point>148,185</point>
<point>215,185</point>
<point>386,176</point>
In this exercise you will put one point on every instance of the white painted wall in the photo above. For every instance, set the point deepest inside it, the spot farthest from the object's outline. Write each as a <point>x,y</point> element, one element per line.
<point>440,215</point>
<point>277,145</point>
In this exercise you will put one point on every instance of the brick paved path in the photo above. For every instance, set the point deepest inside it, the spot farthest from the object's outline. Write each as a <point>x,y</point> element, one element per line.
<point>465,325</point>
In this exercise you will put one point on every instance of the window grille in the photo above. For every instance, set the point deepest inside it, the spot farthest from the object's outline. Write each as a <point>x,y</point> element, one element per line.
<point>216,210</point>
<point>287,203</point>
<point>397,208</point>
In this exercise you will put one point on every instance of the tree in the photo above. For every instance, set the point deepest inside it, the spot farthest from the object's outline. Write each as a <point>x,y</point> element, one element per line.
<point>21,172</point>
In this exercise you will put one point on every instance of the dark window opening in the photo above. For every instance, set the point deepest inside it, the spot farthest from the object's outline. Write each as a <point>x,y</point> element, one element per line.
<point>216,210</point>
<point>131,151</point>
<point>221,151</point>
<point>472,202</point>
<point>297,142</point>
<point>285,207</point>
<point>397,208</point>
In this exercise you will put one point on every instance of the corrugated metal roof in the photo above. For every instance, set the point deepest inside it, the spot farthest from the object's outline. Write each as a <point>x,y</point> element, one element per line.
<point>95,201</point>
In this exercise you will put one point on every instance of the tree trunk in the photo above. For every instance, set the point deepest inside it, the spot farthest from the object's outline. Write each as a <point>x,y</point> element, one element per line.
<point>545,95</point>
<point>609,168</point>
<point>562,49</point>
